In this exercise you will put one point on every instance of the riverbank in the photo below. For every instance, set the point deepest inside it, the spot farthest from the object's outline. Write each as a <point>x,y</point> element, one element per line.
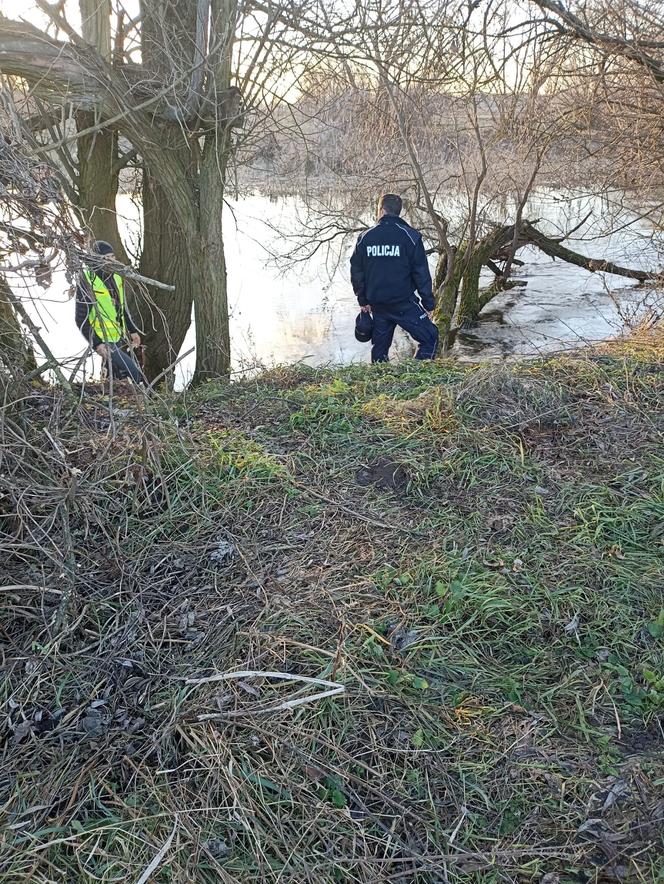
<point>467,561</point>
<point>307,313</point>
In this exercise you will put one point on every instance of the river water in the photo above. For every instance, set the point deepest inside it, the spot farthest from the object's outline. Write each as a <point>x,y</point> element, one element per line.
<point>306,312</point>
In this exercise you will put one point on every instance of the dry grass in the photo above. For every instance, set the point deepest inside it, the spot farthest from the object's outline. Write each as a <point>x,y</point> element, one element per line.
<point>474,555</point>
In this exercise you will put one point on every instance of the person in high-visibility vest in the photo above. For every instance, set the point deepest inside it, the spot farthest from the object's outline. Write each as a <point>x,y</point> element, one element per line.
<point>103,317</point>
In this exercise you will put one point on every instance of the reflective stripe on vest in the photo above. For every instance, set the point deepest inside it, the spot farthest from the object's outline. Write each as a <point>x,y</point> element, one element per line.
<point>103,315</point>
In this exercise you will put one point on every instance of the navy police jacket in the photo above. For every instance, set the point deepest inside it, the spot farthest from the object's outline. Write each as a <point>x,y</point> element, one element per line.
<point>389,265</point>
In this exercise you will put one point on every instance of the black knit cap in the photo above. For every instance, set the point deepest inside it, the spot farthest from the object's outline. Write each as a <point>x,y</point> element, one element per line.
<point>364,327</point>
<point>101,247</point>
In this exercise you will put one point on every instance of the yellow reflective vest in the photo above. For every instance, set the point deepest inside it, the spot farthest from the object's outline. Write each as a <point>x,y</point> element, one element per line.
<point>103,315</point>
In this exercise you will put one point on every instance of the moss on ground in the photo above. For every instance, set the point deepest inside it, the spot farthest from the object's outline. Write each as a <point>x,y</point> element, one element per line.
<point>474,553</point>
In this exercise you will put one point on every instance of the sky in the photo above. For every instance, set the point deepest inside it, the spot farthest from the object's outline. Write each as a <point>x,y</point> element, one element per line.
<point>25,9</point>
<point>17,9</point>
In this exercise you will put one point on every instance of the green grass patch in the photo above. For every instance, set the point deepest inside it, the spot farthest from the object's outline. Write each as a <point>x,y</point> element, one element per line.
<point>474,554</point>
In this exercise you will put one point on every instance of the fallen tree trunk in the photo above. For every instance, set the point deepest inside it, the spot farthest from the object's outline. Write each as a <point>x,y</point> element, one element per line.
<point>556,249</point>
<point>458,294</point>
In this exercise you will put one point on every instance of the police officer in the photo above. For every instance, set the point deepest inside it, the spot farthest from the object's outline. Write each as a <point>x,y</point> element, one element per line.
<point>387,269</point>
<point>102,315</point>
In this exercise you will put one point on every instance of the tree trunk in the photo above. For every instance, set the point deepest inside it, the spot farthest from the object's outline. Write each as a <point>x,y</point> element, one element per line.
<point>96,25</point>
<point>555,249</point>
<point>98,181</point>
<point>469,305</point>
<point>171,251</point>
<point>472,300</point>
<point>213,350</point>
<point>98,171</point>
<point>16,355</point>
<point>446,288</point>
<point>165,317</point>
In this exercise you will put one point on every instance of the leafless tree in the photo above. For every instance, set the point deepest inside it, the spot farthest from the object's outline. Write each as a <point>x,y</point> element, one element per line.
<point>463,109</point>
<point>164,94</point>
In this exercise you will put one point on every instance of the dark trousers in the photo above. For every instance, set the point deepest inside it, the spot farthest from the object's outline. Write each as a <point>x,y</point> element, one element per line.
<point>124,365</point>
<point>412,318</point>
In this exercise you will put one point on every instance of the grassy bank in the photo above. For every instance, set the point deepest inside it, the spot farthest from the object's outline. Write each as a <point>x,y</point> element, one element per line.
<point>475,555</point>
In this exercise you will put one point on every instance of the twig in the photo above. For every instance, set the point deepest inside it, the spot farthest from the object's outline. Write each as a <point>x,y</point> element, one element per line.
<point>358,515</point>
<point>161,853</point>
<point>37,372</point>
<point>27,319</point>
<point>257,673</point>
<point>287,704</point>
<point>332,689</point>
<point>170,367</point>
<point>128,272</point>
